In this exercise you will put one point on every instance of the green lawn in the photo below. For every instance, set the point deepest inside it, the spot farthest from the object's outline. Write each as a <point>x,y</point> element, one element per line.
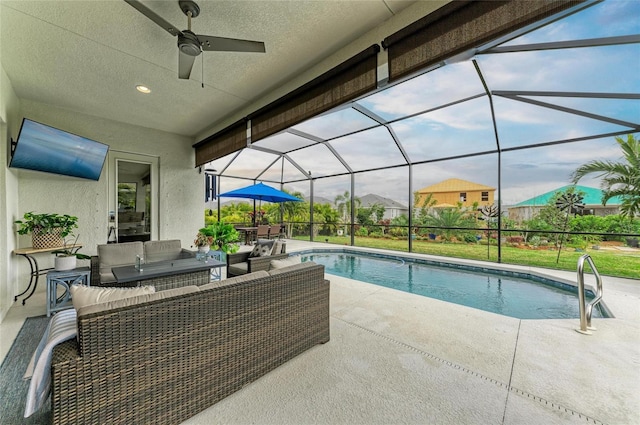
<point>610,263</point>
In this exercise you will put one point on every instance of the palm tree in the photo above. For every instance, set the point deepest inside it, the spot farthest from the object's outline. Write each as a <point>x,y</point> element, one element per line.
<point>325,216</point>
<point>618,178</point>
<point>294,211</point>
<point>447,218</point>
<point>344,206</point>
<point>421,207</point>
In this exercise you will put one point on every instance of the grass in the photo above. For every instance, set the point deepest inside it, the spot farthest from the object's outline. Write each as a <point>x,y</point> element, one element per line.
<point>610,263</point>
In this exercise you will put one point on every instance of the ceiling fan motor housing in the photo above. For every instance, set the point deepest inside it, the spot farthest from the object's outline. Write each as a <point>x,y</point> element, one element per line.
<point>188,43</point>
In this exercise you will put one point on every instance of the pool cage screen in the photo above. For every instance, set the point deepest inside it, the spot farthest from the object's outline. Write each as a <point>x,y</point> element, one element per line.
<point>465,138</point>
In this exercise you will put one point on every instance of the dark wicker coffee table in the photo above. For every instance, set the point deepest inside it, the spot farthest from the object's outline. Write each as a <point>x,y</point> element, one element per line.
<point>167,274</point>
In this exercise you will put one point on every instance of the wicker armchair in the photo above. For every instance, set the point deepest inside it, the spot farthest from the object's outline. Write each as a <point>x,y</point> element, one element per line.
<point>241,263</point>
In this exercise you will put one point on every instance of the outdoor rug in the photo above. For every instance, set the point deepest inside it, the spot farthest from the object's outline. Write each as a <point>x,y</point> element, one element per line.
<point>14,389</point>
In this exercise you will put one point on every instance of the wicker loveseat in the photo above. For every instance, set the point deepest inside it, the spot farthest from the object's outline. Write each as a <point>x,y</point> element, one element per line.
<point>164,361</point>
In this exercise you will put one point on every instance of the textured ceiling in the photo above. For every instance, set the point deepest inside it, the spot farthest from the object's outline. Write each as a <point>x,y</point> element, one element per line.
<point>88,56</point>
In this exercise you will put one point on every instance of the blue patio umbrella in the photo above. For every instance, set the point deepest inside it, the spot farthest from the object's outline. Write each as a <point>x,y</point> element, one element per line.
<point>261,192</point>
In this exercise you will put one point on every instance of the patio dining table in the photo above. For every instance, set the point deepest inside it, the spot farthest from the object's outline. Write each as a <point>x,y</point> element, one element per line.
<point>249,233</point>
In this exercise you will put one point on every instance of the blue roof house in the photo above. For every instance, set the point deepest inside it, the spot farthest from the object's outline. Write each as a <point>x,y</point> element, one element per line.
<point>592,200</point>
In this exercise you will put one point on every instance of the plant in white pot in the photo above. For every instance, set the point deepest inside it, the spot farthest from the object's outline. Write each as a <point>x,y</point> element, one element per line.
<point>67,256</point>
<point>219,236</point>
<point>203,241</point>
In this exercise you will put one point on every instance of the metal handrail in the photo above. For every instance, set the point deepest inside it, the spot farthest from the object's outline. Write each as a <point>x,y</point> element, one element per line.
<point>587,309</point>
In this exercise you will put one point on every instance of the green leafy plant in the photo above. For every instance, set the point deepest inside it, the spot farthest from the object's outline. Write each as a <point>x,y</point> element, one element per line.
<point>221,235</point>
<point>40,224</point>
<point>71,250</point>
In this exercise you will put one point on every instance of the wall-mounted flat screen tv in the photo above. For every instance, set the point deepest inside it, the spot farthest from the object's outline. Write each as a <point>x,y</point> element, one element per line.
<point>43,148</point>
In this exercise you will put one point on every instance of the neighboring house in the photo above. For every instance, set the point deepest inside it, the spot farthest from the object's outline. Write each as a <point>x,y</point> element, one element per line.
<point>450,192</point>
<point>320,200</point>
<point>392,209</point>
<point>592,200</point>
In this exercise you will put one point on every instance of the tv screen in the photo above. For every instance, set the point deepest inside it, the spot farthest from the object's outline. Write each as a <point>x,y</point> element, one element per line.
<point>43,148</point>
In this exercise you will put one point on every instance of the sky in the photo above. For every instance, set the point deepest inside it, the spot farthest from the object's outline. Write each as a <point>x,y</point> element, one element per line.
<point>466,127</point>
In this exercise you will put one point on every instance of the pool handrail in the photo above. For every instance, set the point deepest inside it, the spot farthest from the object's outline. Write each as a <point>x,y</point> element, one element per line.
<point>587,309</point>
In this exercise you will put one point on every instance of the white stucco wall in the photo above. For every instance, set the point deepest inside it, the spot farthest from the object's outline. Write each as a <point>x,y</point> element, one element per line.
<point>9,125</point>
<point>180,185</point>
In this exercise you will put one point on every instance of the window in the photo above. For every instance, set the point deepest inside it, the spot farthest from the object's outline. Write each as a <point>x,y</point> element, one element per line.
<point>485,196</point>
<point>463,196</point>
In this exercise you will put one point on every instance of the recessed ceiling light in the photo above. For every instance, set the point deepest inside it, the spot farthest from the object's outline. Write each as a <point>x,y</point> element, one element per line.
<point>143,89</point>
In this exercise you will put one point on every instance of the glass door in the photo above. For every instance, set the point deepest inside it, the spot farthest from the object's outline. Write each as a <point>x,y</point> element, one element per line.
<point>133,212</point>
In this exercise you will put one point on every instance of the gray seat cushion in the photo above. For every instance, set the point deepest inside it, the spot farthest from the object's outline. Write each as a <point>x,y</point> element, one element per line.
<point>166,250</point>
<point>115,255</point>
<point>238,268</point>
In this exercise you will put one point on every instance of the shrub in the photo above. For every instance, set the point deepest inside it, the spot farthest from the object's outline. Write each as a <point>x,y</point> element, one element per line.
<point>468,238</point>
<point>399,231</point>
<point>535,240</point>
<point>362,232</point>
<point>515,239</point>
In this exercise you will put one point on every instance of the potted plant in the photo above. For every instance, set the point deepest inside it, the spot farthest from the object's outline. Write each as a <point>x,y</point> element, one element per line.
<point>67,256</point>
<point>203,240</point>
<point>223,236</point>
<point>47,230</point>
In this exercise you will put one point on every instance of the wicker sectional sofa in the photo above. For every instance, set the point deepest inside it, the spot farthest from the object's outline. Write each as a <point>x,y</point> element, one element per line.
<point>164,361</point>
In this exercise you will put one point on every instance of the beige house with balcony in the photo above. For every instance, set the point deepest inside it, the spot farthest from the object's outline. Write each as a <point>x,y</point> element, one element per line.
<point>450,192</point>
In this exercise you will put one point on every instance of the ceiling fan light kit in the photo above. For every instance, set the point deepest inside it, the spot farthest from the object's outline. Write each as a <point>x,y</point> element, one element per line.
<point>190,44</point>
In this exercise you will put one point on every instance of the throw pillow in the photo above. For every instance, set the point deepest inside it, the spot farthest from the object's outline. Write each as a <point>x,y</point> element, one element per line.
<point>285,262</point>
<point>277,248</point>
<point>265,250</point>
<point>262,249</point>
<point>256,251</point>
<point>82,296</point>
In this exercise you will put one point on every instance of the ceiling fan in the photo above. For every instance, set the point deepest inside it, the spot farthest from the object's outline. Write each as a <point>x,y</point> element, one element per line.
<point>190,44</point>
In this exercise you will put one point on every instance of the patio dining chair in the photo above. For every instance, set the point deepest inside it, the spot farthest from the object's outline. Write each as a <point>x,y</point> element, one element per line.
<point>263,231</point>
<point>278,231</point>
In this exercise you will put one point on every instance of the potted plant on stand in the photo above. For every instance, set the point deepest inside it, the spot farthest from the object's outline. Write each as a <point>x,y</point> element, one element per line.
<point>203,240</point>
<point>223,237</point>
<point>47,230</point>
<point>66,258</point>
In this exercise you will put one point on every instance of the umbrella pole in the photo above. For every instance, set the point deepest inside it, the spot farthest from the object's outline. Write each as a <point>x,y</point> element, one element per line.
<point>253,219</point>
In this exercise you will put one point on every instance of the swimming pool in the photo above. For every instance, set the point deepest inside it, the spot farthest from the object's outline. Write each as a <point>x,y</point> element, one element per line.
<point>498,292</point>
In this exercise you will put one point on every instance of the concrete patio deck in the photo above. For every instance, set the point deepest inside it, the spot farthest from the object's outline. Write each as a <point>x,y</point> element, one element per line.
<point>398,358</point>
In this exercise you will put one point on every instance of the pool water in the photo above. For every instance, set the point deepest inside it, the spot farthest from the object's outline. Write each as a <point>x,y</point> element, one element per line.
<point>497,293</point>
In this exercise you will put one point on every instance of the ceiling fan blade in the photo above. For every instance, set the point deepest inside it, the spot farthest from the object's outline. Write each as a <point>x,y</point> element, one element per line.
<point>154,17</point>
<point>221,44</point>
<point>185,63</point>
